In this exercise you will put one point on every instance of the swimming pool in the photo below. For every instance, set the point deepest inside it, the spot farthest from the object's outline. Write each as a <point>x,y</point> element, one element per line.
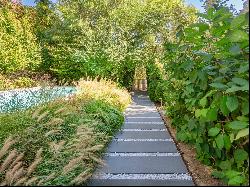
<point>12,100</point>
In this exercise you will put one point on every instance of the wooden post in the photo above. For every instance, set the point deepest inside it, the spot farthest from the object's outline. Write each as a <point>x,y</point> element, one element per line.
<point>161,102</point>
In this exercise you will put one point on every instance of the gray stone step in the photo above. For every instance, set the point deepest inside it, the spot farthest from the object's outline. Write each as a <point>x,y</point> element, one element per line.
<point>142,126</point>
<point>141,100</point>
<point>144,103</point>
<point>137,147</point>
<point>143,135</point>
<point>143,164</point>
<point>139,182</point>
<point>142,119</point>
<point>131,110</point>
<point>141,107</point>
<point>142,114</point>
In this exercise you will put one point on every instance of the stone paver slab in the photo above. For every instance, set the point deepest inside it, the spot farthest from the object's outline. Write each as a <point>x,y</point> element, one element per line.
<point>144,182</point>
<point>144,147</point>
<point>142,114</point>
<point>144,103</point>
<point>143,135</point>
<point>143,164</point>
<point>143,126</point>
<point>142,119</point>
<point>141,107</point>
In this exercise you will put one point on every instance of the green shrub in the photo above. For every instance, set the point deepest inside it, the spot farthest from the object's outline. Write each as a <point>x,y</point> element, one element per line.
<point>18,44</point>
<point>155,81</point>
<point>208,91</point>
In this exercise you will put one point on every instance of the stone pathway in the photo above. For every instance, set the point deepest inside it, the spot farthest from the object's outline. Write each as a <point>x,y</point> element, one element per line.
<point>142,153</point>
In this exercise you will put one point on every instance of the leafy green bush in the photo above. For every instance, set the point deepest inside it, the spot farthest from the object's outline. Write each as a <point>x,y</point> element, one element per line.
<point>18,43</point>
<point>208,76</point>
<point>155,81</point>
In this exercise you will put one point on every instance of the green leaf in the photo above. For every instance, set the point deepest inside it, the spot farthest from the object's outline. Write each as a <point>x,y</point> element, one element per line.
<point>203,102</point>
<point>240,155</point>
<point>245,88</point>
<point>200,112</point>
<point>235,49</point>
<point>238,36</point>
<point>223,106</point>
<point>240,81</point>
<point>242,133</point>
<point>231,137</point>
<point>237,125</point>
<point>232,173</point>
<point>218,85</point>
<point>245,108</point>
<point>204,112</point>
<point>202,15</point>
<point>225,165</point>
<point>242,118</point>
<point>236,180</point>
<point>207,57</point>
<point>218,174</point>
<point>181,136</point>
<point>212,114</point>
<point>232,103</point>
<point>238,21</point>
<point>197,113</point>
<point>227,142</point>
<point>236,88</point>
<point>219,141</point>
<point>243,68</point>
<point>202,26</point>
<point>213,131</point>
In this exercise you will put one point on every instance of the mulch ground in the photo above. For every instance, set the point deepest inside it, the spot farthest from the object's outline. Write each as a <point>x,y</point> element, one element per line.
<point>200,173</point>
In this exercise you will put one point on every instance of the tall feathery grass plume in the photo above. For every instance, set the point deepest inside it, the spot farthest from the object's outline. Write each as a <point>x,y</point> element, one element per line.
<point>7,144</point>
<point>103,89</point>
<point>13,169</point>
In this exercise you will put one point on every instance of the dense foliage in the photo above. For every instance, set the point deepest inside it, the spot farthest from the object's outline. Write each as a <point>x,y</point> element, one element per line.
<point>204,80</point>
<point>206,91</point>
<point>18,43</point>
<point>98,38</point>
<point>59,143</point>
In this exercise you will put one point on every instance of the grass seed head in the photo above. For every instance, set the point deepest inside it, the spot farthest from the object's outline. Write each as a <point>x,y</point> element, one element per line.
<point>72,165</point>
<point>20,181</point>
<point>8,143</point>
<point>8,160</point>
<point>42,116</point>
<point>31,181</point>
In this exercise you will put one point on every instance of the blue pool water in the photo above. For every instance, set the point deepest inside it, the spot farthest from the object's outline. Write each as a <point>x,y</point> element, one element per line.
<point>12,100</point>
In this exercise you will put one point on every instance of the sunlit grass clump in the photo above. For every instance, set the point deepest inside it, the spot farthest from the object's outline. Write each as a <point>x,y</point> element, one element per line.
<point>104,89</point>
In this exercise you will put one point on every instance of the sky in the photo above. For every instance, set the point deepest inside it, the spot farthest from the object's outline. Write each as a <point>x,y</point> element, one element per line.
<point>237,3</point>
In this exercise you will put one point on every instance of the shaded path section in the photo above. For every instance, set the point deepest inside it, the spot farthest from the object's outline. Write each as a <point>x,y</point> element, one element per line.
<point>143,152</point>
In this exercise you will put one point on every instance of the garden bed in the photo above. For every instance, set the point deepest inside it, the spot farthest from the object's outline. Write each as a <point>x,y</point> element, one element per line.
<point>60,142</point>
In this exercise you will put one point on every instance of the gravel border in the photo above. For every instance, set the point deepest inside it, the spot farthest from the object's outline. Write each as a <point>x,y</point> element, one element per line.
<point>143,140</point>
<point>143,130</point>
<point>140,154</point>
<point>175,176</point>
<point>129,122</point>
